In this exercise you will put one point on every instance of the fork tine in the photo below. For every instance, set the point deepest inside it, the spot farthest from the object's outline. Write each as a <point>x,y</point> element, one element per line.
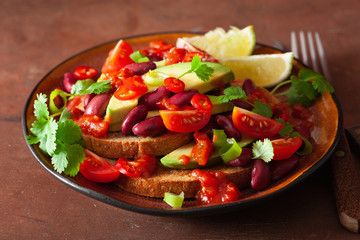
<point>303,48</point>
<point>312,52</point>
<point>294,47</point>
<point>323,61</point>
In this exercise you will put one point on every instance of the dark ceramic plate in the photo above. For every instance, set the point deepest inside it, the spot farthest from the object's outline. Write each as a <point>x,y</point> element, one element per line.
<point>326,135</point>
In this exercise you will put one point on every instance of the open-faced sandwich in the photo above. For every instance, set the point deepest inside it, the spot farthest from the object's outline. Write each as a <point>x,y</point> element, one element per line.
<point>181,120</point>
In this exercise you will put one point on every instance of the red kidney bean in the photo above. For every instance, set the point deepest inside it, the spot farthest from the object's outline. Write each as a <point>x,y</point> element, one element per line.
<point>141,67</point>
<point>88,98</point>
<point>150,127</point>
<point>260,175</point>
<point>151,99</point>
<point>97,105</point>
<point>183,99</point>
<point>69,81</point>
<point>248,86</point>
<point>242,104</point>
<point>135,116</point>
<point>154,58</point>
<point>208,129</point>
<point>282,167</point>
<point>227,125</point>
<point>244,158</point>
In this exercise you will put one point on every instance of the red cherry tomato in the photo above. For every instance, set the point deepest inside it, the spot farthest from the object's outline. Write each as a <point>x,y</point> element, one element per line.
<point>201,102</point>
<point>189,56</point>
<point>93,125</point>
<point>285,148</point>
<point>215,187</point>
<point>158,48</point>
<point>173,84</point>
<point>118,57</point>
<point>185,121</point>
<point>202,149</point>
<point>175,55</point>
<point>97,169</point>
<point>84,72</point>
<point>254,124</point>
<point>143,166</point>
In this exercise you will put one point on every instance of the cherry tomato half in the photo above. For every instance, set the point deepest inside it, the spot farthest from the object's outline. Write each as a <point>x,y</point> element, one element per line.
<point>185,121</point>
<point>201,102</point>
<point>75,106</point>
<point>254,124</point>
<point>174,85</point>
<point>143,166</point>
<point>84,72</point>
<point>285,148</point>
<point>202,149</point>
<point>215,187</point>
<point>97,169</point>
<point>118,57</point>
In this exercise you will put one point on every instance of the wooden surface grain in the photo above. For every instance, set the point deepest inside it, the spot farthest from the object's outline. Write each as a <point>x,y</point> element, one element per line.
<point>37,35</point>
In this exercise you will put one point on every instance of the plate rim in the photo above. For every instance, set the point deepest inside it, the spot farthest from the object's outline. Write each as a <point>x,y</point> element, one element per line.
<point>203,210</point>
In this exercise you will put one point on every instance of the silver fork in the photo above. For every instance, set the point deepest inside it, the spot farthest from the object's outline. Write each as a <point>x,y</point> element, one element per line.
<point>312,50</point>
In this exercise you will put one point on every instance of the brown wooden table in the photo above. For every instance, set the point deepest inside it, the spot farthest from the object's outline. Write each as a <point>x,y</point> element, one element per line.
<point>37,35</point>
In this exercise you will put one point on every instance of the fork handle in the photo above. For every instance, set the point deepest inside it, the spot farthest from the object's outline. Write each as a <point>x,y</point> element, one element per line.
<point>346,181</point>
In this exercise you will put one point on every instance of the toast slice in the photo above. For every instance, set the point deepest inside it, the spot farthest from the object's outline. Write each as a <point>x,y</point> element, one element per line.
<point>117,145</point>
<point>177,181</point>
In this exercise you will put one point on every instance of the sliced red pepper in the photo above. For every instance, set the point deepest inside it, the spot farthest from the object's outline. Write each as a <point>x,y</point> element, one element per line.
<point>174,85</point>
<point>84,72</point>
<point>143,166</point>
<point>201,102</point>
<point>202,149</point>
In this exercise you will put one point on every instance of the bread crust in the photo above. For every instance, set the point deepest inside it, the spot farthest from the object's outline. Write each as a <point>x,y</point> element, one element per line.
<point>177,181</point>
<point>117,145</point>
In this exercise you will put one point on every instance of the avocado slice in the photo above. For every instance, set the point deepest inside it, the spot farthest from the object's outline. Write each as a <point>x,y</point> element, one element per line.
<point>171,160</point>
<point>221,76</point>
<point>220,107</point>
<point>117,110</point>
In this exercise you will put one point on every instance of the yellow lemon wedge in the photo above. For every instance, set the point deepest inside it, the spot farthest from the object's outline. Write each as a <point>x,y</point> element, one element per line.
<point>221,44</point>
<point>265,70</point>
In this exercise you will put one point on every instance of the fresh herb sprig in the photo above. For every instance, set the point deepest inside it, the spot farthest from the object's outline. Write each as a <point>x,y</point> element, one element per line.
<point>263,149</point>
<point>89,86</point>
<point>233,93</point>
<point>61,140</point>
<point>305,88</point>
<point>201,70</point>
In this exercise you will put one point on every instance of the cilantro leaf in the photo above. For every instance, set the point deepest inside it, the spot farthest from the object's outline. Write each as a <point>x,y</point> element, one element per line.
<point>61,140</point>
<point>68,132</point>
<point>286,130</point>
<point>263,150</point>
<point>201,70</point>
<point>40,107</point>
<point>88,86</point>
<point>232,93</point>
<point>306,87</point>
<point>204,72</point>
<point>262,109</point>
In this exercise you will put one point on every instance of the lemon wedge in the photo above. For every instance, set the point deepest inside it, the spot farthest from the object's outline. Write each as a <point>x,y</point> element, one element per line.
<point>221,44</point>
<point>265,70</point>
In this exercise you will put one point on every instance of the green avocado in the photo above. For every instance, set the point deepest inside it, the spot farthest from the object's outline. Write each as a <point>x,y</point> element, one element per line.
<point>220,107</point>
<point>171,160</point>
<point>220,76</point>
<point>117,110</point>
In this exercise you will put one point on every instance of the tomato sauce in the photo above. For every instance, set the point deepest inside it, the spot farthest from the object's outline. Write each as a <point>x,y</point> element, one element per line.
<point>215,187</point>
